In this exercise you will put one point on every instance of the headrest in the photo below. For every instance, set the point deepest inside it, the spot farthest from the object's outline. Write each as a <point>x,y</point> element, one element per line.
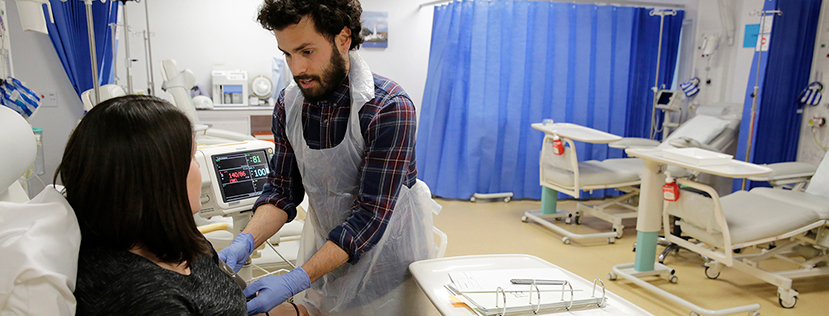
<point>107,91</point>
<point>169,69</point>
<point>184,79</point>
<point>19,147</point>
<point>819,184</point>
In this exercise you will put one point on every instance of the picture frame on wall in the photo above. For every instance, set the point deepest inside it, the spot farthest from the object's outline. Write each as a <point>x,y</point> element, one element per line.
<point>375,29</point>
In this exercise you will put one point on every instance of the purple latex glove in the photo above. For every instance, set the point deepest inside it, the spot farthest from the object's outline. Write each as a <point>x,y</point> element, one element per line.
<point>276,289</point>
<point>238,252</point>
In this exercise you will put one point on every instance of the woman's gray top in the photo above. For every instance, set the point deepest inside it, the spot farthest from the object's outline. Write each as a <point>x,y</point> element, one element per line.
<point>122,283</point>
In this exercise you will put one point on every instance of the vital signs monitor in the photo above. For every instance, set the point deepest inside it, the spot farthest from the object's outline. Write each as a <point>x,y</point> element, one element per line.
<point>233,176</point>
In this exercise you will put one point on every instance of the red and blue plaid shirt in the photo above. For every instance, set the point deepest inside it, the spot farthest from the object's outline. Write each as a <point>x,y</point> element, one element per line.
<point>387,123</point>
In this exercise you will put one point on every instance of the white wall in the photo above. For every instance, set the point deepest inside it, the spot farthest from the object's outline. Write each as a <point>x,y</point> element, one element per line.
<point>811,150</point>
<point>37,64</point>
<point>199,33</point>
<point>729,66</point>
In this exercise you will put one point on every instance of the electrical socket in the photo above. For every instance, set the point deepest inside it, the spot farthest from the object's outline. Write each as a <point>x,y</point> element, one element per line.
<point>49,99</point>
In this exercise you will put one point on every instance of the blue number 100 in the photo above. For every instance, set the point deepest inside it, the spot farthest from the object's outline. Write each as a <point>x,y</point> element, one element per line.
<point>260,172</point>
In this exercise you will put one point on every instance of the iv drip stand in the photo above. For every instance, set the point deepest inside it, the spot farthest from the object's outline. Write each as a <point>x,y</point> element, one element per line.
<point>149,34</point>
<point>92,54</point>
<point>755,95</point>
<point>655,88</point>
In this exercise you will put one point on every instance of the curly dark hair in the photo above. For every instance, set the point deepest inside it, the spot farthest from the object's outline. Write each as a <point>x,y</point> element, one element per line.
<point>330,16</point>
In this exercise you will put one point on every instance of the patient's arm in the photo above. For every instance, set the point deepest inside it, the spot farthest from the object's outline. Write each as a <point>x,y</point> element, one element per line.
<point>286,309</point>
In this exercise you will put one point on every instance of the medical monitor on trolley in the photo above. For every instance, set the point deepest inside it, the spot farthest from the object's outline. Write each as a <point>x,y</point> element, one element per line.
<point>667,100</point>
<point>233,176</point>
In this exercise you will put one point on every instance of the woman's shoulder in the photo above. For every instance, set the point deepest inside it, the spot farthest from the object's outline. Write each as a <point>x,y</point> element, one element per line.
<point>111,279</point>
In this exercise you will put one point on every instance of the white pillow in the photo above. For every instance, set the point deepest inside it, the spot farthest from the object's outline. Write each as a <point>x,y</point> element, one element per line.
<point>702,128</point>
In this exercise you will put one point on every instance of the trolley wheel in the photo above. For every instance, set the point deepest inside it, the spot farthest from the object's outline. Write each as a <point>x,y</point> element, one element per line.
<point>611,240</point>
<point>524,218</point>
<point>612,276</point>
<point>693,314</point>
<point>578,219</point>
<point>753,313</point>
<point>472,199</point>
<point>788,302</point>
<point>673,279</point>
<point>569,219</point>
<point>712,273</point>
<point>566,240</point>
<point>507,199</point>
<point>619,230</point>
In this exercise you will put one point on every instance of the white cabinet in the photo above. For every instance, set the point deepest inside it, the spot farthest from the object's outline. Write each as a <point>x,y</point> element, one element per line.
<point>247,120</point>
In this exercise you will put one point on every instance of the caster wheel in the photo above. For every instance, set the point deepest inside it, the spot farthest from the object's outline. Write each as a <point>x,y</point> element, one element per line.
<point>693,314</point>
<point>673,279</point>
<point>712,273</point>
<point>738,250</point>
<point>507,199</point>
<point>578,220</point>
<point>472,199</point>
<point>754,313</point>
<point>619,230</point>
<point>524,219</point>
<point>611,240</point>
<point>789,303</point>
<point>569,219</point>
<point>566,240</point>
<point>611,276</point>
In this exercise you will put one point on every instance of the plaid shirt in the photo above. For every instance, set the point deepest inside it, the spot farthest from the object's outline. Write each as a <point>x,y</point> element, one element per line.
<point>388,124</point>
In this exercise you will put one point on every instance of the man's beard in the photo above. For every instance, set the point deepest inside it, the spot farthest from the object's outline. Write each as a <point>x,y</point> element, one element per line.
<point>332,77</point>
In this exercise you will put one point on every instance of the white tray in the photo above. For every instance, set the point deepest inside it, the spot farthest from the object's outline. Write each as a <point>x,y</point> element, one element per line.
<point>697,156</point>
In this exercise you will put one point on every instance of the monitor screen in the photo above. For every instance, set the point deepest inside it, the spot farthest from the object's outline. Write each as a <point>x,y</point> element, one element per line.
<point>232,88</point>
<point>241,175</point>
<point>664,97</point>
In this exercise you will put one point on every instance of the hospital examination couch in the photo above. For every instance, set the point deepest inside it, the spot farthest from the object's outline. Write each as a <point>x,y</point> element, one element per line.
<point>39,238</point>
<point>178,84</point>
<point>714,126</point>
<point>789,225</point>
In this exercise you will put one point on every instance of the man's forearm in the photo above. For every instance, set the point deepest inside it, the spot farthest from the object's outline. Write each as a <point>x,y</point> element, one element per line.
<point>266,221</point>
<point>325,260</point>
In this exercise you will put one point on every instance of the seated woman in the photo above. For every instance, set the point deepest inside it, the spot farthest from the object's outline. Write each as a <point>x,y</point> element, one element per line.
<point>134,185</point>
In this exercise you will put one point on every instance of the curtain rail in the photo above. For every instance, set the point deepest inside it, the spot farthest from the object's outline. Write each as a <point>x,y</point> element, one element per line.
<point>625,3</point>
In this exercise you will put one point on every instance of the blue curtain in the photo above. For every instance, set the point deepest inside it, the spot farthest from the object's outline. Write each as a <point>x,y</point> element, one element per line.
<point>784,73</point>
<point>71,41</point>
<point>495,67</point>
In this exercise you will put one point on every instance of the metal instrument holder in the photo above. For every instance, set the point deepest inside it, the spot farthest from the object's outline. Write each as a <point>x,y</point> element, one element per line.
<point>567,305</point>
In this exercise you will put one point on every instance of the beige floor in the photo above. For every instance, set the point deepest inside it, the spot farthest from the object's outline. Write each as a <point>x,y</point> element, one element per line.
<point>496,228</point>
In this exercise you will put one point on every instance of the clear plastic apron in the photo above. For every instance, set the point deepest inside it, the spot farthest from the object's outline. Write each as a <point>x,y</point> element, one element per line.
<point>379,284</point>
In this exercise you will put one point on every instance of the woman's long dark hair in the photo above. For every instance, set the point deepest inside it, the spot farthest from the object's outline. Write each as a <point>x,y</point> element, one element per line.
<point>125,171</point>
